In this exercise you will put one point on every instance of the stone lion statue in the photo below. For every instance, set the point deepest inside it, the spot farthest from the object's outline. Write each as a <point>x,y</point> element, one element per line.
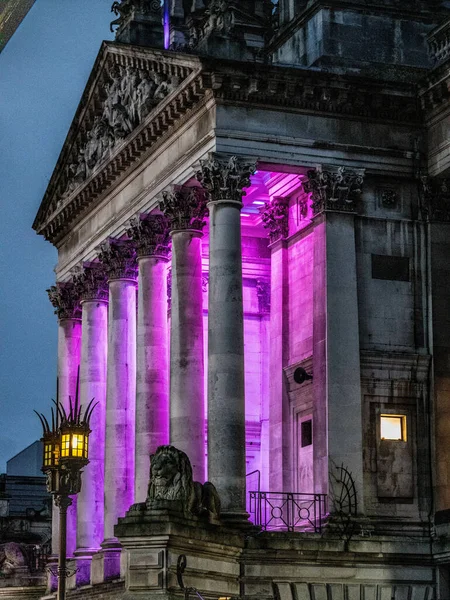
<point>11,557</point>
<point>171,480</point>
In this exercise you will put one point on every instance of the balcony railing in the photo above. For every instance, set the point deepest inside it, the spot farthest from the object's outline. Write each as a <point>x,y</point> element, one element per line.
<point>281,511</point>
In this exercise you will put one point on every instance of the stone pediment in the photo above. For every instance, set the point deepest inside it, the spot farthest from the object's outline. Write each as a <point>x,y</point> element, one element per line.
<point>137,96</point>
<point>132,97</point>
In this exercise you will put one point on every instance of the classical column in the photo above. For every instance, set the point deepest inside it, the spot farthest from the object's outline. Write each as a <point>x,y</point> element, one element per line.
<point>151,237</point>
<point>335,192</point>
<point>68,310</point>
<point>186,209</point>
<point>119,261</point>
<point>224,180</point>
<point>275,219</point>
<point>92,286</point>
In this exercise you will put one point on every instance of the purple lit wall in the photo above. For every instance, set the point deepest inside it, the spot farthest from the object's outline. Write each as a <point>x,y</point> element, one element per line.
<point>166,24</point>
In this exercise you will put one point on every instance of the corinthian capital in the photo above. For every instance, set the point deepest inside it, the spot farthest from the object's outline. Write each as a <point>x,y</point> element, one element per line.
<point>119,259</point>
<point>185,207</point>
<point>150,235</point>
<point>65,299</point>
<point>91,282</point>
<point>275,218</point>
<point>334,188</point>
<point>224,178</point>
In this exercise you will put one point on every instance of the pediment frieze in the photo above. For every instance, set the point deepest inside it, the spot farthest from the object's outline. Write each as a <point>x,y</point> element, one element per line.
<point>130,100</point>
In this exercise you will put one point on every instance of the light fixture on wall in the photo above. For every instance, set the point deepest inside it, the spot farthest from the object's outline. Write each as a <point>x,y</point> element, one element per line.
<point>300,375</point>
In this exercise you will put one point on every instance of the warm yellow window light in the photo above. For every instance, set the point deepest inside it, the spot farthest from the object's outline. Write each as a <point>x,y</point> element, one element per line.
<point>74,445</point>
<point>393,427</point>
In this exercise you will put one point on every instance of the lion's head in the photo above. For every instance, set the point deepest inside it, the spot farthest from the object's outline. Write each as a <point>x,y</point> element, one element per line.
<point>170,475</point>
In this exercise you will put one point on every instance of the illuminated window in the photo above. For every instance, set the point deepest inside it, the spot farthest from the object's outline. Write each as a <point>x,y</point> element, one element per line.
<point>48,450</point>
<point>393,427</point>
<point>74,445</point>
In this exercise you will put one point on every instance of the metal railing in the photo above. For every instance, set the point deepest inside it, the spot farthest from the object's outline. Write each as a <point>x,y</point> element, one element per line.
<point>281,511</point>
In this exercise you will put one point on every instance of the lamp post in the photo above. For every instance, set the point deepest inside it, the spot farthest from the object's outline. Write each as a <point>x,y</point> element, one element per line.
<point>65,455</point>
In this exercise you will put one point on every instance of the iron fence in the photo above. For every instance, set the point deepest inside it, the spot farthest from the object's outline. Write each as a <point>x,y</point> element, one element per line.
<point>288,511</point>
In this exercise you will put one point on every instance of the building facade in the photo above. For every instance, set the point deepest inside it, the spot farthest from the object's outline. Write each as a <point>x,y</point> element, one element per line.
<point>251,213</point>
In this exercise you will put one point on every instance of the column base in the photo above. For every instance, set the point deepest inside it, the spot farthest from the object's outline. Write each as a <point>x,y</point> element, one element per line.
<point>106,563</point>
<point>236,519</point>
<point>83,563</point>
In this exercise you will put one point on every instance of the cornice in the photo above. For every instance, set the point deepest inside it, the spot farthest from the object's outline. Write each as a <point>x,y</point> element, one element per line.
<point>299,90</point>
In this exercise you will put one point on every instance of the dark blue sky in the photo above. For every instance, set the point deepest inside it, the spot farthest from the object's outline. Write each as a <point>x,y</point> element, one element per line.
<point>43,70</point>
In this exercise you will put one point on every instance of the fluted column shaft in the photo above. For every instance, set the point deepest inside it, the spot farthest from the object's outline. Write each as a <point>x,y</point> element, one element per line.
<point>119,260</point>
<point>152,378</point>
<point>224,179</point>
<point>90,504</point>
<point>185,210</point>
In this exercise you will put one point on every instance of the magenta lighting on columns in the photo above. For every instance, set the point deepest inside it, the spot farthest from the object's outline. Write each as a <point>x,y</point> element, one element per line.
<point>166,23</point>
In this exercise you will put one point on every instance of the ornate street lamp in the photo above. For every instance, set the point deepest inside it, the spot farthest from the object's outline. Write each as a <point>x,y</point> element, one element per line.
<point>65,455</point>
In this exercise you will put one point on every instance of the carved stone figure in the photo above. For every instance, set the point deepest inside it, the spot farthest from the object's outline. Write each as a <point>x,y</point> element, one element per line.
<point>144,95</point>
<point>275,218</point>
<point>171,480</point>
<point>130,95</point>
<point>11,557</point>
<point>122,9</point>
<point>220,17</point>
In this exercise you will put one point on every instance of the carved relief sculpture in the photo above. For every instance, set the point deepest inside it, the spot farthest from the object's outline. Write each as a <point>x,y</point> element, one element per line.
<point>334,188</point>
<point>150,234</point>
<point>119,259</point>
<point>185,207</point>
<point>131,94</point>
<point>275,218</point>
<point>64,298</point>
<point>171,481</point>
<point>224,178</point>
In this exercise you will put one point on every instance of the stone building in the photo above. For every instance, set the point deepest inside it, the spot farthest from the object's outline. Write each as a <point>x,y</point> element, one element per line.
<point>251,213</point>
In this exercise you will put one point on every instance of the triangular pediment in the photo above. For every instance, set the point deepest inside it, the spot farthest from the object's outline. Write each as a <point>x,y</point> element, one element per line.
<point>131,99</point>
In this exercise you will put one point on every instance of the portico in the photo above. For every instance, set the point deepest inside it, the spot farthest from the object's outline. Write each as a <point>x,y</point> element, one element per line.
<point>220,255</point>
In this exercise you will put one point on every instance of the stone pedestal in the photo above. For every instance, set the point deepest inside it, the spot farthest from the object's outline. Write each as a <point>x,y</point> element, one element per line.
<point>154,539</point>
